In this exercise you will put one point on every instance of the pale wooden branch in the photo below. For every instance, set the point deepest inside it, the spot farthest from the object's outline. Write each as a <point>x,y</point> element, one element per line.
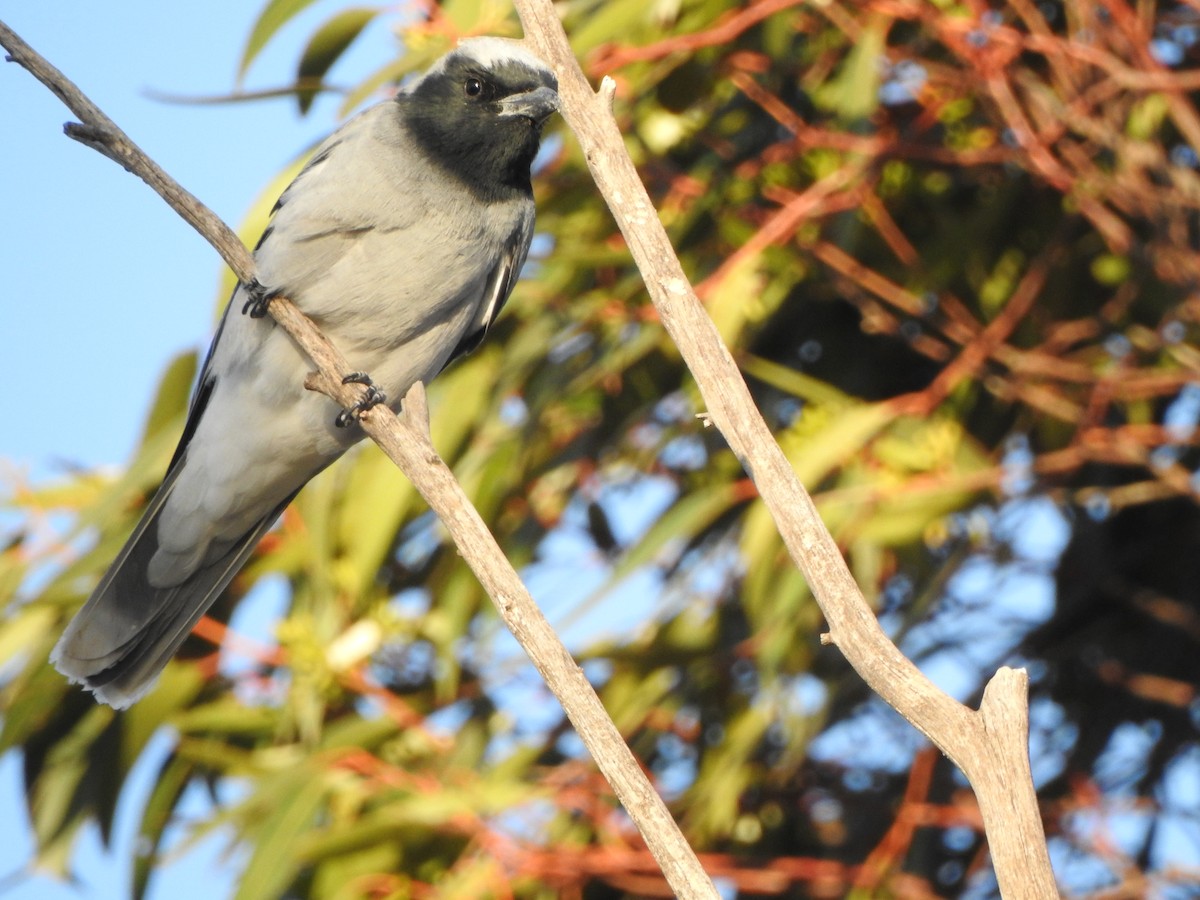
<point>991,745</point>
<point>407,442</point>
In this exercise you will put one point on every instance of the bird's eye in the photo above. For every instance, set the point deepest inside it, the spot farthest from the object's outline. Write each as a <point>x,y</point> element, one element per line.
<point>479,89</point>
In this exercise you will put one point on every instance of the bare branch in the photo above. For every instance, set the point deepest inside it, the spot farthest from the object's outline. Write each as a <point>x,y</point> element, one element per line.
<point>99,131</point>
<point>408,444</point>
<point>989,746</point>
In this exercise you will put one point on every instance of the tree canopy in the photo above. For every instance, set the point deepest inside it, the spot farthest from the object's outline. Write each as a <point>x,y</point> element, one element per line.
<point>953,249</point>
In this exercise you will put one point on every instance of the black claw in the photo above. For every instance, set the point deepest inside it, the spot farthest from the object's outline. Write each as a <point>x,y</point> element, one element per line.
<point>258,298</point>
<point>373,397</point>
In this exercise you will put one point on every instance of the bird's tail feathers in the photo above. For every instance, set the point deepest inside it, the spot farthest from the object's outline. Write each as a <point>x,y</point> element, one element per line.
<point>128,630</point>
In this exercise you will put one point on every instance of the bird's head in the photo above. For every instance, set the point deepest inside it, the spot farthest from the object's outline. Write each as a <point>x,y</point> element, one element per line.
<point>478,112</point>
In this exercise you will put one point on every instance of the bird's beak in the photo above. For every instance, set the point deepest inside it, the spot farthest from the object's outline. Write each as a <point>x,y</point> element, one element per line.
<point>537,105</point>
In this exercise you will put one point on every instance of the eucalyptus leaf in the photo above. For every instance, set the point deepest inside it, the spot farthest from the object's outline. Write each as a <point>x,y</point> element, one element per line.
<point>326,47</point>
<point>274,16</point>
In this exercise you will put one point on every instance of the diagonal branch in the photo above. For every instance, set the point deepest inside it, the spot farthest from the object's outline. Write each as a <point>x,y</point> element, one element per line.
<point>407,442</point>
<point>98,131</point>
<point>991,745</point>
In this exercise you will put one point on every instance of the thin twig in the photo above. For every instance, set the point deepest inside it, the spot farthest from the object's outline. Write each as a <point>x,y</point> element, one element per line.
<point>100,133</point>
<point>407,442</point>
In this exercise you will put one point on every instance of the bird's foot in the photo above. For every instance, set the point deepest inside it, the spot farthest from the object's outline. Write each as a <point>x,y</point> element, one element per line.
<point>258,298</point>
<point>373,397</point>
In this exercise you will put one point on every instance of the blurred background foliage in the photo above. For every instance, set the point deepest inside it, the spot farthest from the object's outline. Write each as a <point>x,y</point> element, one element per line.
<point>953,247</point>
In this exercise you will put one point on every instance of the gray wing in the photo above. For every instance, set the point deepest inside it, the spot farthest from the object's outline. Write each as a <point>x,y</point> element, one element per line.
<point>130,627</point>
<point>499,287</point>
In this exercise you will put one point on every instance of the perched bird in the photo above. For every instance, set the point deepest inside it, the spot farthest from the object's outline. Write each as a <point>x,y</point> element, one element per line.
<point>401,238</point>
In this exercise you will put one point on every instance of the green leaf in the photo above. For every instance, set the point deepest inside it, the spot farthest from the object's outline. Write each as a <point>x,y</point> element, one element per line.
<point>473,878</point>
<point>616,20</point>
<point>341,877</point>
<point>725,774</point>
<point>171,399</point>
<point>227,716</point>
<point>57,793</point>
<point>854,94</point>
<point>37,700</point>
<point>1146,117</point>
<point>352,837</point>
<point>478,16</point>
<point>219,755</point>
<point>375,499</point>
<point>274,16</point>
<point>629,698</point>
<point>176,689</point>
<point>793,381</point>
<point>823,439</point>
<point>325,47</point>
<point>173,777</point>
<point>27,629</point>
<point>354,733</point>
<point>389,73</point>
<point>292,809</point>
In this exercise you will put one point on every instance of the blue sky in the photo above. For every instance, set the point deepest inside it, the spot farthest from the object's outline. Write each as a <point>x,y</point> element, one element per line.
<point>103,284</point>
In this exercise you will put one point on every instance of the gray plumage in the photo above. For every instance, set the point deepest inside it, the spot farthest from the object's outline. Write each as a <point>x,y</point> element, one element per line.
<point>401,238</point>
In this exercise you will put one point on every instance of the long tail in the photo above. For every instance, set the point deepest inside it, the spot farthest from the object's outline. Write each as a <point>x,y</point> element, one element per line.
<point>128,630</point>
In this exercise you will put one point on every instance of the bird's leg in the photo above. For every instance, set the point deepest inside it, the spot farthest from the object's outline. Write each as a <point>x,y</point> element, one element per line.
<point>258,298</point>
<point>373,397</point>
